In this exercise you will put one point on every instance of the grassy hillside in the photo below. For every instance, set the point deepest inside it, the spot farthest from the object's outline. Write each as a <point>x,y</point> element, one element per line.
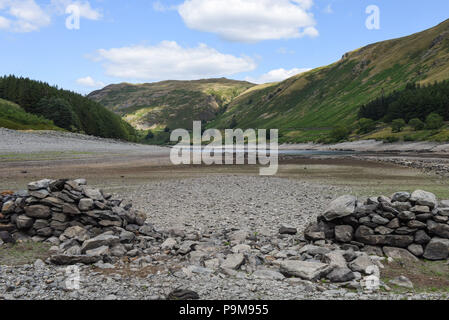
<point>68,110</point>
<point>169,103</point>
<point>306,107</point>
<point>14,117</point>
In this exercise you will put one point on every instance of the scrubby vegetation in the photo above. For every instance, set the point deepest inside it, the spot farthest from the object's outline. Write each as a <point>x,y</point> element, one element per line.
<point>67,109</point>
<point>14,117</point>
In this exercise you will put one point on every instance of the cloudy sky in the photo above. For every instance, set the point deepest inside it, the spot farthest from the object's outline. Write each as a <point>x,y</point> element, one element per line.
<point>151,40</point>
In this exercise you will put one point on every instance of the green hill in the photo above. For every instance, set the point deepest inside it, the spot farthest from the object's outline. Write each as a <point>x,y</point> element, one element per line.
<point>14,117</point>
<point>67,110</point>
<point>169,103</point>
<point>307,106</point>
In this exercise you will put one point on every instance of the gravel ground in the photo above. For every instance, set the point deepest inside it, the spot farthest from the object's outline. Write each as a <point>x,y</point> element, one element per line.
<point>13,142</point>
<point>258,204</point>
<point>205,210</point>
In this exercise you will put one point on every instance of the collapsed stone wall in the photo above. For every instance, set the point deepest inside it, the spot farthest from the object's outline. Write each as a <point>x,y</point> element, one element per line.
<point>87,224</point>
<point>417,222</point>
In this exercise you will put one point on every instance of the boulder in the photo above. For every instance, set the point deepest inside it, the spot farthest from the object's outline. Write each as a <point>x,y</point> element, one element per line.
<point>311,271</point>
<point>169,244</point>
<point>400,197</point>
<point>37,185</point>
<point>38,211</point>
<point>268,275</point>
<point>233,261</point>
<point>399,254</point>
<point>288,230</point>
<point>77,233</point>
<point>437,249</point>
<point>344,233</point>
<point>24,222</point>
<point>424,198</point>
<point>416,249</point>
<point>341,207</point>
<point>361,263</point>
<point>421,237</point>
<point>101,240</point>
<point>341,274</point>
<point>86,204</point>
<point>94,194</point>
<point>439,229</point>
<point>63,260</point>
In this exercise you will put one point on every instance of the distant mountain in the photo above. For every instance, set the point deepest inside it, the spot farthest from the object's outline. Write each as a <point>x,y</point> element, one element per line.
<point>307,106</point>
<point>173,104</point>
<point>67,110</point>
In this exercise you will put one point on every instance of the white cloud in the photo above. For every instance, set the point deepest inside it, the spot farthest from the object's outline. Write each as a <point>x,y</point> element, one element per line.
<point>28,15</point>
<point>168,60</point>
<point>86,11</point>
<point>250,20</point>
<point>4,23</point>
<point>23,16</point>
<point>277,75</point>
<point>90,82</point>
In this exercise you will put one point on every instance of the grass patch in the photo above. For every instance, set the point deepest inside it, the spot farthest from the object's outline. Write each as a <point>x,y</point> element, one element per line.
<point>23,253</point>
<point>426,276</point>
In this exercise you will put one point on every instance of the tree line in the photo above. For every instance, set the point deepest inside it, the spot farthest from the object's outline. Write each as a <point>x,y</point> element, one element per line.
<point>414,102</point>
<point>67,109</point>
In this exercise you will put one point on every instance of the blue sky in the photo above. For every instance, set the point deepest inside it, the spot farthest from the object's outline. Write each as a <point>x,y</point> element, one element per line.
<point>144,40</point>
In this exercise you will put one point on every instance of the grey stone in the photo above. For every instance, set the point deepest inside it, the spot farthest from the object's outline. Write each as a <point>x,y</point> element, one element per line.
<point>70,209</point>
<point>268,274</point>
<point>407,216</point>
<point>233,261</point>
<point>76,233</point>
<point>86,204</point>
<point>94,194</point>
<point>169,244</point>
<point>400,197</point>
<point>379,220</point>
<point>361,264</point>
<point>37,185</point>
<point>394,224</point>
<point>61,259</point>
<point>341,274</point>
<point>416,249</point>
<point>38,211</point>
<point>39,194</point>
<point>98,241</point>
<point>399,254</point>
<point>311,271</point>
<point>24,222</point>
<point>100,251</point>
<point>424,198</point>
<point>288,230</point>
<point>341,207</point>
<point>344,233</point>
<point>421,237</point>
<point>438,229</point>
<point>437,249</point>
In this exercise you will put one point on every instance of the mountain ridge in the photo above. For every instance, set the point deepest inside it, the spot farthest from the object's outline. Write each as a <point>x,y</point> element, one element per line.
<point>171,103</point>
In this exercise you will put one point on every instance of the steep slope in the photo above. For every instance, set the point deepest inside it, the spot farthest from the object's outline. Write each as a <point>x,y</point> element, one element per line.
<point>169,103</point>
<point>308,106</point>
<point>67,109</point>
<point>12,116</point>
